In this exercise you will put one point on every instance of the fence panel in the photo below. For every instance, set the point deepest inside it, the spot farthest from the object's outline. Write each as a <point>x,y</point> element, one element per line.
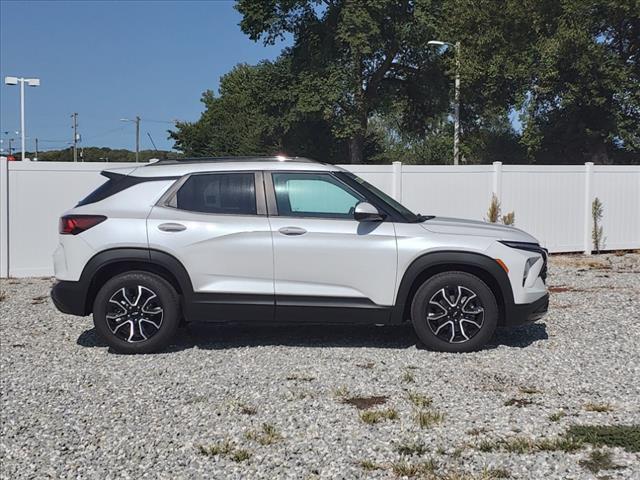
<point>551,202</point>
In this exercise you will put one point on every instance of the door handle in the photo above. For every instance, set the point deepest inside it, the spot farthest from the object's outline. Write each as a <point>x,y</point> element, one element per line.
<point>171,227</point>
<point>292,231</point>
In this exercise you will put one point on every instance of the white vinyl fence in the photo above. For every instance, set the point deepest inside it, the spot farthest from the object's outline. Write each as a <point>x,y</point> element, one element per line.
<point>553,203</point>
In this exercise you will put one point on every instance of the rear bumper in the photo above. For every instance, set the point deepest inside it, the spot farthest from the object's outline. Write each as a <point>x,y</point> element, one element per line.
<point>69,297</point>
<point>519,314</point>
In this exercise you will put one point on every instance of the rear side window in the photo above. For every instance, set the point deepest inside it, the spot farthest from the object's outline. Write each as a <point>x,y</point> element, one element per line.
<point>117,182</point>
<point>225,193</point>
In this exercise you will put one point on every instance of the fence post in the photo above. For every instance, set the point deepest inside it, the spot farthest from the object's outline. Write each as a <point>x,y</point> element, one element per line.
<point>497,180</point>
<point>4,217</point>
<point>396,179</point>
<point>588,220</point>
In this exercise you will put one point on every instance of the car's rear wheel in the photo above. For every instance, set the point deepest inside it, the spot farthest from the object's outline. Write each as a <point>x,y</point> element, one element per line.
<point>136,312</point>
<point>454,312</point>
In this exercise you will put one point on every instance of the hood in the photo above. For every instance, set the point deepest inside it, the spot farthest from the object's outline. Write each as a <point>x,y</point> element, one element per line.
<point>458,226</point>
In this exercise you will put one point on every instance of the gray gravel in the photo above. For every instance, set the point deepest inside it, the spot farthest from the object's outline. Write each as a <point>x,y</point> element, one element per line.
<point>70,408</point>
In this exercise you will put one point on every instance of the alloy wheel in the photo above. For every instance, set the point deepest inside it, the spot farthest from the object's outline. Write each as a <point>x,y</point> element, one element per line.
<point>134,314</point>
<point>455,314</point>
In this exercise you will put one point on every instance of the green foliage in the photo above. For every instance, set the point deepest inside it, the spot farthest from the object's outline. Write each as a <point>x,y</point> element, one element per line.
<point>101,154</point>
<point>360,83</point>
<point>624,436</point>
<point>597,234</point>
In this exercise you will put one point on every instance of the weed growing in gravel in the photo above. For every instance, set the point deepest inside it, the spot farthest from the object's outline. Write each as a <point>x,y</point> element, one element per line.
<point>522,445</point>
<point>598,407</point>
<point>240,455</point>
<point>408,377</point>
<point>266,436</point>
<point>375,416</point>
<point>411,448</point>
<point>221,448</point>
<point>420,400</point>
<point>518,402</point>
<point>406,469</point>
<point>625,436</point>
<point>364,403</point>
<point>529,390</point>
<point>3,296</point>
<point>39,300</point>
<point>247,409</point>
<point>599,460</point>
<point>555,417</point>
<point>369,466</point>
<point>341,392</point>
<point>495,473</point>
<point>428,418</point>
<point>476,431</point>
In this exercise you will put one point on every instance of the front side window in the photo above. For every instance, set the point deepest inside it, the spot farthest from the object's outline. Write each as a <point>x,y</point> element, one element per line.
<point>223,193</point>
<point>314,195</point>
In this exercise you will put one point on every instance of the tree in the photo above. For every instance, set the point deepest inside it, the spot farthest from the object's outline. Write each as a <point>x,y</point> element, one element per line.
<point>351,59</point>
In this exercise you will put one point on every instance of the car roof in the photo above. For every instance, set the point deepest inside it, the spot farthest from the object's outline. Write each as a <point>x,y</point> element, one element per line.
<point>180,167</point>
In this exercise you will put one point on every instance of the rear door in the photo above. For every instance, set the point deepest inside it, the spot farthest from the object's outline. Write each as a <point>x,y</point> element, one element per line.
<point>323,257</point>
<point>215,224</point>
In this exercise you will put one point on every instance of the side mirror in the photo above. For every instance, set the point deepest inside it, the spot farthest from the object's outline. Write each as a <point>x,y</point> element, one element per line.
<point>365,212</point>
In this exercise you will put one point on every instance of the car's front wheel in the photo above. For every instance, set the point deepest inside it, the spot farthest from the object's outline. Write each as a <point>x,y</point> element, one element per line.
<point>136,312</point>
<point>454,312</point>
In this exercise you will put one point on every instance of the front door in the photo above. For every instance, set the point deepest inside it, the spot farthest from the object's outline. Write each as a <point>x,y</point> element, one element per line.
<point>323,257</point>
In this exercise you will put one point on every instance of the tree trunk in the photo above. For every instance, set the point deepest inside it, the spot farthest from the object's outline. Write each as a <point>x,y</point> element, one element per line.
<point>356,147</point>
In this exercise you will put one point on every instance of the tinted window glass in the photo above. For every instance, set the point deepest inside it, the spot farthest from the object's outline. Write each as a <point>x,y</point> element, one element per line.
<point>230,193</point>
<point>314,195</point>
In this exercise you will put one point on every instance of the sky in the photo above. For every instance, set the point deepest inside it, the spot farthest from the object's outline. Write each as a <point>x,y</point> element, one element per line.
<point>110,60</point>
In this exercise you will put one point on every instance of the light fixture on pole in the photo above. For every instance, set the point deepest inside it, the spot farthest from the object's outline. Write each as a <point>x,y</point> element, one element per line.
<point>137,122</point>
<point>32,82</point>
<point>456,106</point>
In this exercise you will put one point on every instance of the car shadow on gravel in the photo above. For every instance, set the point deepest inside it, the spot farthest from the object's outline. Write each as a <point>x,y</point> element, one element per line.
<point>220,337</point>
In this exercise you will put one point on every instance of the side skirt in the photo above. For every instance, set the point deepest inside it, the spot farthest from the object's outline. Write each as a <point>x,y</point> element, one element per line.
<point>247,308</point>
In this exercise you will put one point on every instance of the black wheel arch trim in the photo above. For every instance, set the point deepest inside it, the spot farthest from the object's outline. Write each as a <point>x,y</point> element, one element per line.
<point>432,263</point>
<point>86,287</point>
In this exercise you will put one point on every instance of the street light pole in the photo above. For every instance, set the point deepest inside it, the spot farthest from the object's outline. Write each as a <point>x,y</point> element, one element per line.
<point>456,96</point>
<point>32,82</point>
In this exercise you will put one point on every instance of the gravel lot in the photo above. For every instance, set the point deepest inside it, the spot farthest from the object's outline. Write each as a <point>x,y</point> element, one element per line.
<point>70,408</point>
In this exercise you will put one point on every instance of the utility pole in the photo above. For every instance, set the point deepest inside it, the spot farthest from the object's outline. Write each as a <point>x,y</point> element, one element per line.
<point>10,149</point>
<point>36,156</point>
<point>137,138</point>
<point>75,136</point>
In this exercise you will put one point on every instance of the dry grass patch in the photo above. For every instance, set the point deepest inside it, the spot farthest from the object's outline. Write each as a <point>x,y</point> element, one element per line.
<point>420,400</point>
<point>365,366</point>
<point>3,296</point>
<point>429,418</point>
<point>371,417</point>
<point>529,390</point>
<point>247,409</point>
<point>221,448</point>
<point>364,403</point>
<point>408,377</point>
<point>267,435</point>
<point>300,377</point>
<point>406,469</point>
<point>598,407</point>
<point>369,466</point>
<point>521,445</point>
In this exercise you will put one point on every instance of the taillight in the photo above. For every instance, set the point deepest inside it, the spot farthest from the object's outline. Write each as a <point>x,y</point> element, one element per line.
<point>75,224</point>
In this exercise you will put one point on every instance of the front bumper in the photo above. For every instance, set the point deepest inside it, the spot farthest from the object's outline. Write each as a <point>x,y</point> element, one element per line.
<point>521,313</point>
<point>70,297</point>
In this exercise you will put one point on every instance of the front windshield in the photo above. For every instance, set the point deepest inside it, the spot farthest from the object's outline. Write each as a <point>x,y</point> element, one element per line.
<point>401,209</point>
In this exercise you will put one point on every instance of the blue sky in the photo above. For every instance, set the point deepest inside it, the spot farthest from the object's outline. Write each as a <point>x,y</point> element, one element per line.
<point>111,60</point>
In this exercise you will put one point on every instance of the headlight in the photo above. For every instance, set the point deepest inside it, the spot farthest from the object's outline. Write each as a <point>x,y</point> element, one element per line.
<point>527,266</point>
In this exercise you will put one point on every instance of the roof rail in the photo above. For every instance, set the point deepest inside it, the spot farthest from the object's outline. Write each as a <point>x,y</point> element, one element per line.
<point>274,158</point>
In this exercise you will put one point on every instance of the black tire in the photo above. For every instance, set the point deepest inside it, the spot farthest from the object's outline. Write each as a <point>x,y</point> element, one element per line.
<point>444,328</point>
<point>141,328</point>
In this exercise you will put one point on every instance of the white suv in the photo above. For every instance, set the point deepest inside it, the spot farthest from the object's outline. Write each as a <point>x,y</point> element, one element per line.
<point>284,240</point>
